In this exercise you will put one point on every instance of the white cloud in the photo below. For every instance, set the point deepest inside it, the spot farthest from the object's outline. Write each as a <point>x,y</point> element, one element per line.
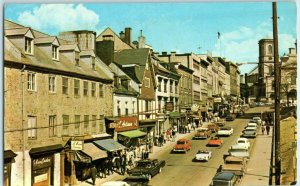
<point>242,45</point>
<point>54,18</point>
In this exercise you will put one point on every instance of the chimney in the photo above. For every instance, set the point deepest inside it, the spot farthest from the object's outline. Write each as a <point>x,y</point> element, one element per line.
<point>142,40</point>
<point>128,35</point>
<point>173,53</point>
<point>122,36</point>
<point>105,49</point>
<point>292,52</point>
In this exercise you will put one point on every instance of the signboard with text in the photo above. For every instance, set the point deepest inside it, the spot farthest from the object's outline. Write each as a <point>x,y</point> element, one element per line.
<point>76,145</point>
<point>126,123</point>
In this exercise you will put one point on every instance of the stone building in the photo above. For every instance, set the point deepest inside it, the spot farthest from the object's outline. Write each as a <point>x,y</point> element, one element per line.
<point>54,92</point>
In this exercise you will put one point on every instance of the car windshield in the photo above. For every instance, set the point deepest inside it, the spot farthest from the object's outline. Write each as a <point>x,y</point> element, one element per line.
<point>203,152</point>
<point>225,128</point>
<point>144,164</point>
<point>180,142</point>
<point>238,150</point>
<point>241,141</point>
<point>256,118</point>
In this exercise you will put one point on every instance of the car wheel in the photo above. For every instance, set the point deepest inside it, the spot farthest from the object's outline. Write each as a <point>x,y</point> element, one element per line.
<point>159,170</point>
<point>149,177</point>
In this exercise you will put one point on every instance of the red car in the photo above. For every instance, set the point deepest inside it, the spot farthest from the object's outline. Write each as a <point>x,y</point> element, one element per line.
<point>183,145</point>
<point>215,141</point>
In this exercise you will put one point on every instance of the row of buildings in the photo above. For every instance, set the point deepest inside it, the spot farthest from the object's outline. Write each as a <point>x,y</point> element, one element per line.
<point>74,99</point>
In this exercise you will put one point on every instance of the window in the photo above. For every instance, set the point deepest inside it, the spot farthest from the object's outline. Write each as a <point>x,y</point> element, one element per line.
<point>52,83</point>
<point>77,125</point>
<point>159,84</point>
<point>85,88</point>
<point>52,125</point>
<point>93,63</point>
<point>147,82</point>
<point>270,49</point>
<point>28,45</point>
<point>147,106</point>
<point>118,108</point>
<point>126,109</point>
<point>165,85</point>
<point>54,52</point>
<point>159,104</point>
<point>196,65</point>
<point>65,85</point>
<point>32,127</point>
<point>65,125</point>
<point>171,86</point>
<point>133,107</point>
<point>94,123</point>
<point>176,87</point>
<point>101,124</point>
<point>93,89</point>
<point>196,80</point>
<point>31,81</point>
<point>77,58</point>
<point>101,91</point>
<point>76,87</point>
<point>86,124</point>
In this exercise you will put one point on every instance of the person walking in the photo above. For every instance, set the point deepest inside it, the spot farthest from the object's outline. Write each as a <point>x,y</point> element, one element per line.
<point>103,168</point>
<point>268,129</point>
<point>263,129</point>
<point>93,174</point>
<point>110,166</point>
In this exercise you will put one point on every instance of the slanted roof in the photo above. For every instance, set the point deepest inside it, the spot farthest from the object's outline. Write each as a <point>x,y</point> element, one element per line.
<point>44,40</point>
<point>66,47</point>
<point>16,31</point>
<point>133,56</point>
<point>87,53</point>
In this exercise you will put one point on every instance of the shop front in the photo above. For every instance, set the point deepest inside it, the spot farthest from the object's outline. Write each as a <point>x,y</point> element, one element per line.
<point>131,138</point>
<point>109,145</point>
<point>148,126</point>
<point>9,158</point>
<point>42,165</point>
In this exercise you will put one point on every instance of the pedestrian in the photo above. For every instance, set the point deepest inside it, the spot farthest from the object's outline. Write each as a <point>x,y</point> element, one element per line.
<point>93,174</point>
<point>110,166</point>
<point>268,129</point>
<point>173,135</point>
<point>123,164</point>
<point>103,169</point>
<point>263,129</point>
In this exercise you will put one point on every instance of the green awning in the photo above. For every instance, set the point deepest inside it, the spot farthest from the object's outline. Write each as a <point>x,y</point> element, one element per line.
<point>174,114</point>
<point>133,133</point>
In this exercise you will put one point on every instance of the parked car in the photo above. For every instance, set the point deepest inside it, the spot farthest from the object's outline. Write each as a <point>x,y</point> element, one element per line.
<point>215,141</point>
<point>203,155</point>
<point>146,169</point>
<point>236,165</point>
<point>239,113</point>
<point>183,145</point>
<point>213,127</point>
<point>224,179</point>
<point>238,150</point>
<point>259,104</point>
<point>220,123</point>
<point>257,119</point>
<point>251,125</point>
<point>243,142</point>
<point>249,132</point>
<point>202,133</point>
<point>115,183</point>
<point>230,117</point>
<point>225,131</point>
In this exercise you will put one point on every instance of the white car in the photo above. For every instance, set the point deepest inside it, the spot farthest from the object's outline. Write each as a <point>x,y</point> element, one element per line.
<point>115,183</point>
<point>252,125</point>
<point>243,143</point>
<point>257,119</point>
<point>203,155</point>
<point>225,131</point>
<point>239,150</point>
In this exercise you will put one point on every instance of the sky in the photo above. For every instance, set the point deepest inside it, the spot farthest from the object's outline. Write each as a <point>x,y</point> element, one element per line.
<point>180,27</point>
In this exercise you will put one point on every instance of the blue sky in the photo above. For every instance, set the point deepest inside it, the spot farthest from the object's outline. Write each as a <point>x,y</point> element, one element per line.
<point>180,27</point>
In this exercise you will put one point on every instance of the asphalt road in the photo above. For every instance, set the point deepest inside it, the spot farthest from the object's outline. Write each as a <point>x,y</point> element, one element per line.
<point>181,170</point>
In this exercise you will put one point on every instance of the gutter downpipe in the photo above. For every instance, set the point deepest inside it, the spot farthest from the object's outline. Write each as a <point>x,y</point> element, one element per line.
<point>23,135</point>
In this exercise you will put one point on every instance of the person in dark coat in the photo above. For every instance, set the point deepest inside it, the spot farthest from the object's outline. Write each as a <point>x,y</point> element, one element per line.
<point>268,129</point>
<point>93,174</point>
<point>103,165</point>
<point>109,166</point>
<point>123,164</point>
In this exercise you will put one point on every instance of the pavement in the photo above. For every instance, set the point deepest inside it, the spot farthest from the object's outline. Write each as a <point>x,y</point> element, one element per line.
<point>257,167</point>
<point>257,172</point>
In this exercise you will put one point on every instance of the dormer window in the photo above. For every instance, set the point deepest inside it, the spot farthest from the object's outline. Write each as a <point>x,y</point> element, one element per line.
<point>54,52</point>
<point>93,63</point>
<point>28,45</point>
<point>77,58</point>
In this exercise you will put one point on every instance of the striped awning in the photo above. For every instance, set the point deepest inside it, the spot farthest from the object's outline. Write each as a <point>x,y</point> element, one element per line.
<point>93,151</point>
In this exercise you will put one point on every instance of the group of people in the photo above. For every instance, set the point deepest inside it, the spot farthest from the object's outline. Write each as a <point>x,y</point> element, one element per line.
<point>117,162</point>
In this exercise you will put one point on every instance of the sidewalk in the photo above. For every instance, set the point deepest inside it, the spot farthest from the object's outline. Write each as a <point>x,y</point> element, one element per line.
<point>258,166</point>
<point>156,151</point>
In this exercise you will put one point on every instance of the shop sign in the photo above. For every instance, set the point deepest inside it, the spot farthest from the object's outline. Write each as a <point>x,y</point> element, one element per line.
<point>130,122</point>
<point>195,108</point>
<point>76,145</point>
<point>169,106</point>
<point>43,162</point>
<point>182,110</point>
<point>217,100</point>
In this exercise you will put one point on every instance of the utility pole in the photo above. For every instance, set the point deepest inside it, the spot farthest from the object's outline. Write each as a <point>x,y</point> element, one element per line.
<point>277,97</point>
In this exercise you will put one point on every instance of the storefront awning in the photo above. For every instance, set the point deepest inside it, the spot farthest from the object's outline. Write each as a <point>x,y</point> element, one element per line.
<point>133,133</point>
<point>93,151</point>
<point>109,145</point>
<point>174,114</point>
<point>51,149</point>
